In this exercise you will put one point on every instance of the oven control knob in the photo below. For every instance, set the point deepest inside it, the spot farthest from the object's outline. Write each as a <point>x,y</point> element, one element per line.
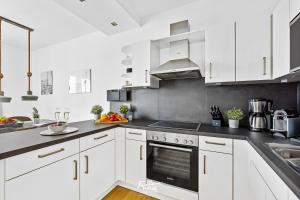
<point>191,142</point>
<point>156,138</point>
<point>152,137</point>
<point>185,141</point>
<point>176,140</point>
<point>164,139</point>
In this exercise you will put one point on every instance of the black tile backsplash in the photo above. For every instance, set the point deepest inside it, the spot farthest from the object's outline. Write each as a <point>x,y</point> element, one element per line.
<point>189,99</point>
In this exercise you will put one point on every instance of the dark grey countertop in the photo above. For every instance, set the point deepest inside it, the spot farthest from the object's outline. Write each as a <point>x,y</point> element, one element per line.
<point>15,143</point>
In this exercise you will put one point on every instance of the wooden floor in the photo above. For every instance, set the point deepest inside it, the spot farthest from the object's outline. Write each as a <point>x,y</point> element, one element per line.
<point>120,193</point>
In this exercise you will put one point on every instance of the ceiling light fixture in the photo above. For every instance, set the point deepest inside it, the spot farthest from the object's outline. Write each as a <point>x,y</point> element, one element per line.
<point>29,96</point>
<point>82,1</point>
<point>114,23</point>
<point>3,99</point>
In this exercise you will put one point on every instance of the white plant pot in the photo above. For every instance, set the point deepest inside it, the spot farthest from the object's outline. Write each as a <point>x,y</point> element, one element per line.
<point>233,123</point>
<point>96,117</point>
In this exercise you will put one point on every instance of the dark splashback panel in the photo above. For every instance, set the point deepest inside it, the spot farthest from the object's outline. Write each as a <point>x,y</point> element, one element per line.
<point>189,99</point>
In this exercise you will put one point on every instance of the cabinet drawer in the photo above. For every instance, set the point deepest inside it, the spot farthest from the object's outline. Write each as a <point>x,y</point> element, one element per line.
<point>136,134</point>
<point>222,145</point>
<point>96,139</point>
<point>21,164</point>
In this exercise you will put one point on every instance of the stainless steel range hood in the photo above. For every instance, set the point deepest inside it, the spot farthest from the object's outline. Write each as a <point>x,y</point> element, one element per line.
<point>180,66</point>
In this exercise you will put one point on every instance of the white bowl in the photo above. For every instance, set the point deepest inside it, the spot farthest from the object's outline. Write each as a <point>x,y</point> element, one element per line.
<point>56,128</point>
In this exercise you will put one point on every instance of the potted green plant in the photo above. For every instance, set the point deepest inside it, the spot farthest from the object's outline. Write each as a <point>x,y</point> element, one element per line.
<point>234,115</point>
<point>35,115</point>
<point>124,110</point>
<point>96,111</point>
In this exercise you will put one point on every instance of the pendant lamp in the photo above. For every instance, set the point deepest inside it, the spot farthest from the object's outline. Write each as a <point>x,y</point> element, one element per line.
<point>3,99</point>
<point>29,96</point>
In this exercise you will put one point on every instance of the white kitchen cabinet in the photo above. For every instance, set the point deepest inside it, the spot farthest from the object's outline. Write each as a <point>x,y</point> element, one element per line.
<point>294,8</point>
<point>253,48</point>
<point>97,170</point>
<point>59,181</point>
<point>281,39</point>
<point>120,153</point>
<point>259,190</point>
<point>135,162</point>
<point>220,53</point>
<point>292,196</point>
<point>143,56</point>
<point>2,175</point>
<point>215,175</point>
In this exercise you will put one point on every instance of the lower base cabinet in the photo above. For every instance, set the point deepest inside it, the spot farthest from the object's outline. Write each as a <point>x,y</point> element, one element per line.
<point>97,172</point>
<point>257,186</point>
<point>59,181</point>
<point>215,176</point>
<point>135,162</point>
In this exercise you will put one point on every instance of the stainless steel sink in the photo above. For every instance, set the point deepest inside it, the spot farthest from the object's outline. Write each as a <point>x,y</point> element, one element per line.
<point>288,152</point>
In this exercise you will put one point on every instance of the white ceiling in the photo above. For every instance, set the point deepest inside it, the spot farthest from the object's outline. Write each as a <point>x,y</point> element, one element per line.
<point>51,23</point>
<point>100,14</point>
<point>56,21</point>
<point>145,8</point>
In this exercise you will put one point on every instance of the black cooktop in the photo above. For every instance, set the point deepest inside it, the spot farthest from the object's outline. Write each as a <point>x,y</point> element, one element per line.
<point>176,125</point>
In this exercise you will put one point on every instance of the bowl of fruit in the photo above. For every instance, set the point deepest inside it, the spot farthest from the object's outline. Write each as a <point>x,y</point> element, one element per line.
<point>7,121</point>
<point>111,118</point>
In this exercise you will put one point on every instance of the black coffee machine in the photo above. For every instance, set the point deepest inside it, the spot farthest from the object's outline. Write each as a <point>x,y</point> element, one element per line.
<point>260,114</point>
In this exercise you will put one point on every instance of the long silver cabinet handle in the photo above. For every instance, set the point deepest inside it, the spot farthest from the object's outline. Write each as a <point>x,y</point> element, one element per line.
<point>146,76</point>
<point>76,170</point>
<point>204,164</point>
<point>215,143</point>
<point>51,153</point>
<point>86,164</point>
<point>100,137</point>
<point>141,152</point>
<point>210,70</point>
<point>265,66</point>
<point>133,133</point>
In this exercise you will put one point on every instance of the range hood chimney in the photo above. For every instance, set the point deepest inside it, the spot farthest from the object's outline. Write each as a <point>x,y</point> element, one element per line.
<point>180,66</point>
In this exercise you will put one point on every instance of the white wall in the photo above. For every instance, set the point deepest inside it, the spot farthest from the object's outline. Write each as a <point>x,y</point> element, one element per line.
<point>103,55</point>
<point>14,62</point>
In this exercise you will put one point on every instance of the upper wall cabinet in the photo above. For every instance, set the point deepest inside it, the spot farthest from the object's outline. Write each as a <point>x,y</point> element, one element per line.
<point>253,48</point>
<point>139,58</point>
<point>294,8</point>
<point>281,39</point>
<point>220,53</point>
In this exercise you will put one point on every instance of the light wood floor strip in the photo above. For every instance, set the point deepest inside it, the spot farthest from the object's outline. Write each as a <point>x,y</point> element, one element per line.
<point>121,193</point>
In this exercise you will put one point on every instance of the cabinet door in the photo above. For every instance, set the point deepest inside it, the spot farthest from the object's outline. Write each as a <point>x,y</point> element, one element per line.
<point>97,170</point>
<point>215,172</point>
<point>281,39</point>
<point>135,162</point>
<point>220,53</point>
<point>120,154</point>
<point>257,185</point>
<point>2,179</point>
<point>59,181</point>
<point>269,194</point>
<point>141,63</point>
<point>253,49</point>
<point>294,8</point>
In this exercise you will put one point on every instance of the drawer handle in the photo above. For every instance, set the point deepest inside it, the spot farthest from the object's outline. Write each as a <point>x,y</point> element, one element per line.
<point>51,153</point>
<point>141,152</point>
<point>98,138</point>
<point>215,143</point>
<point>204,164</point>
<point>76,172</point>
<point>133,133</point>
<point>265,66</point>
<point>86,164</point>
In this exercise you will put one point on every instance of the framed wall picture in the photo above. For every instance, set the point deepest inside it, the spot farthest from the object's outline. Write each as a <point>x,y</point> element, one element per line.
<point>47,83</point>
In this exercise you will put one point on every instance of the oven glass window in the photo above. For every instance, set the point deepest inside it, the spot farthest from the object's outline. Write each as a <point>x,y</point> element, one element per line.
<point>172,163</point>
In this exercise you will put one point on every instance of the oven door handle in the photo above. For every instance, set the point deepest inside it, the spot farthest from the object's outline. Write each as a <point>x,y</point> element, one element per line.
<point>171,147</point>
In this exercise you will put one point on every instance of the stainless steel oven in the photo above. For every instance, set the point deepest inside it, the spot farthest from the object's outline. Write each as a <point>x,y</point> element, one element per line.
<point>173,159</point>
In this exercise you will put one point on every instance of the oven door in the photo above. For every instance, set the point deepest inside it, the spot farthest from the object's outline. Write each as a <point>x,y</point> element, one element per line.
<point>173,164</point>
